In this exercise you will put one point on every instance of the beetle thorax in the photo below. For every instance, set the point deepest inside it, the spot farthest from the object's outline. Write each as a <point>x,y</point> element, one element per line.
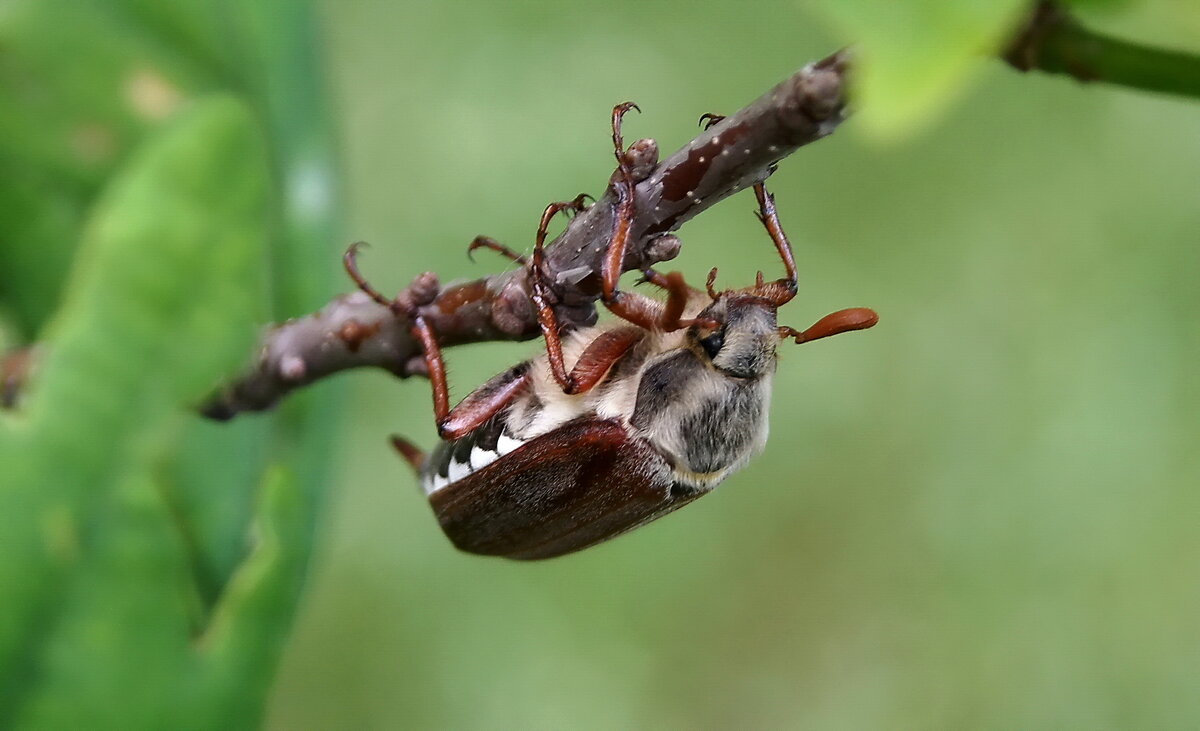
<point>700,397</point>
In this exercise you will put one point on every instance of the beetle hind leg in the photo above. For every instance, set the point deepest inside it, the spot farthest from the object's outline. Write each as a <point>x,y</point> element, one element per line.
<point>481,404</point>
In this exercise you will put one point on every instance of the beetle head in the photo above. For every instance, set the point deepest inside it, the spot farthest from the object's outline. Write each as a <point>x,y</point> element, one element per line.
<point>738,331</point>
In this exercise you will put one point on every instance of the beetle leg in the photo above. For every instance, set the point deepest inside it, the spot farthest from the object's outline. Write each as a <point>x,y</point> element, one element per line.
<point>708,284</point>
<point>638,309</point>
<point>622,304</point>
<point>484,402</point>
<point>678,293</point>
<point>783,290</point>
<point>350,261</point>
<point>597,359</point>
<point>656,278</point>
<point>547,320</point>
<point>421,292</point>
<point>435,364</point>
<point>487,242</point>
<point>481,404</point>
<point>708,119</point>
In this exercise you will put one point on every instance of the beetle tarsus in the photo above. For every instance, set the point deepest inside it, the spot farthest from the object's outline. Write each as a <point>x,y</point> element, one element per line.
<point>487,242</point>
<point>708,284</point>
<point>350,261</point>
<point>618,113</point>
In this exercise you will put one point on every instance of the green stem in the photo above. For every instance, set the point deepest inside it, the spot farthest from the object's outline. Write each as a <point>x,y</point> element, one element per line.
<point>1056,43</point>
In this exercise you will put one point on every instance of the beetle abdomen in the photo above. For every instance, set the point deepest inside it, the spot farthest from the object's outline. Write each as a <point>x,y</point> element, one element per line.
<point>452,461</point>
<point>578,485</point>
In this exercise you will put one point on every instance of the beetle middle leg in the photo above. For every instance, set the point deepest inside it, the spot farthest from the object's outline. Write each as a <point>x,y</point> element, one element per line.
<point>602,353</point>
<point>481,404</point>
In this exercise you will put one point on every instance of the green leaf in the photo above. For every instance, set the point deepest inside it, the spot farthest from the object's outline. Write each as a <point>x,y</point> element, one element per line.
<point>78,97</point>
<point>915,56</point>
<point>250,624</point>
<point>164,298</point>
<point>125,517</point>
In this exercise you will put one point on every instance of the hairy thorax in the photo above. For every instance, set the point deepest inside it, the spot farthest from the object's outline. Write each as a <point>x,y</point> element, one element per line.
<point>705,423</point>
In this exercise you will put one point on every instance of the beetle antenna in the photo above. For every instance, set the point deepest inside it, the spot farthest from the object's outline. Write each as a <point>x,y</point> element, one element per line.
<point>842,321</point>
<point>349,259</point>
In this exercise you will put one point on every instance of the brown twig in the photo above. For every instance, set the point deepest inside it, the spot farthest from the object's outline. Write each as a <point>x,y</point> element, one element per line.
<point>353,331</point>
<point>1053,41</point>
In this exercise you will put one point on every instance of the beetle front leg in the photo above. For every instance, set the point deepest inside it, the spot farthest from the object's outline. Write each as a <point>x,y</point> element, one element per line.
<point>783,290</point>
<point>642,311</point>
<point>636,309</point>
<point>596,360</point>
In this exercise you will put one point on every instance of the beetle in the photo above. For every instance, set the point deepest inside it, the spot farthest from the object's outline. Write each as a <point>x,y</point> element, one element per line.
<point>615,425</point>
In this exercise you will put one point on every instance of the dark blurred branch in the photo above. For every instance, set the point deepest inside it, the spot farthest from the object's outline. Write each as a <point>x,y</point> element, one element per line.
<point>1053,41</point>
<point>352,331</point>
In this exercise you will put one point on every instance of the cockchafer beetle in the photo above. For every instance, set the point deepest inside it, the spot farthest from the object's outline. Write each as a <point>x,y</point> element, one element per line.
<point>614,425</point>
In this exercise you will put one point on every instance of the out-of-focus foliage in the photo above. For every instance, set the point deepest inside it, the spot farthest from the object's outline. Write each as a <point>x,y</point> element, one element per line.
<point>979,514</point>
<point>151,562</point>
<point>916,57</point>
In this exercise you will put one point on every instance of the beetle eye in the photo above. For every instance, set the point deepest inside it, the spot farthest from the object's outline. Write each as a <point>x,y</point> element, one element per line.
<point>712,344</point>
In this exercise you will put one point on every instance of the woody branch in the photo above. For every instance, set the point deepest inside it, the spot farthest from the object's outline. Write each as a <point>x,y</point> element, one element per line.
<point>353,331</point>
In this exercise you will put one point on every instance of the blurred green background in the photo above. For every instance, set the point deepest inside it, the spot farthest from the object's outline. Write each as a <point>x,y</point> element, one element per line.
<point>984,513</point>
